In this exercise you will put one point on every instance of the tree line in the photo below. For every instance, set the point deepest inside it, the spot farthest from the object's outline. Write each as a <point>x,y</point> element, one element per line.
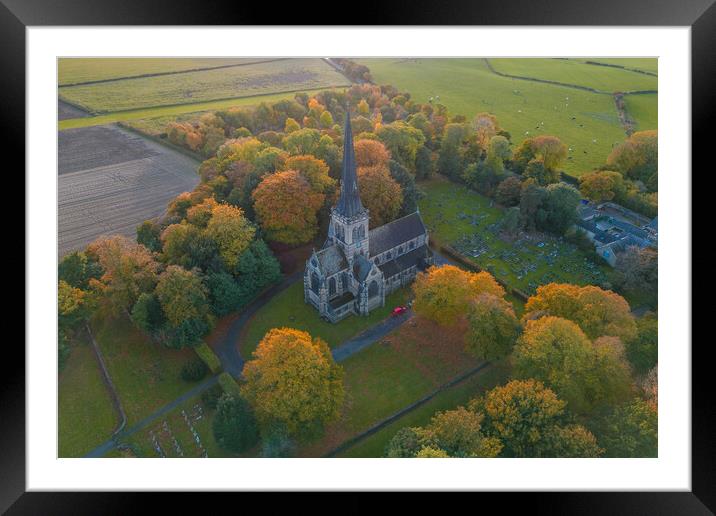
<point>583,373</point>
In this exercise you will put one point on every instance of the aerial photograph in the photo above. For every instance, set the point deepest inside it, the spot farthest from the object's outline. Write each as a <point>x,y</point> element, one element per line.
<point>384,257</point>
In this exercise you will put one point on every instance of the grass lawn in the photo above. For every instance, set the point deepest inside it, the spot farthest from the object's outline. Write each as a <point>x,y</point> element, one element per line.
<point>587,122</point>
<point>288,309</point>
<point>391,374</point>
<point>571,71</point>
<point>77,70</point>
<point>643,109</point>
<point>374,445</point>
<point>145,374</point>
<point>86,417</point>
<point>204,86</point>
<point>467,221</point>
<point>150,116</point>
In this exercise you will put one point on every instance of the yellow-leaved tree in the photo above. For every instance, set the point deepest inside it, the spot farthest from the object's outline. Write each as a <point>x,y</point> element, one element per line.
<point>442,294</point>
<point>231,231</point>
<point>293,379</point>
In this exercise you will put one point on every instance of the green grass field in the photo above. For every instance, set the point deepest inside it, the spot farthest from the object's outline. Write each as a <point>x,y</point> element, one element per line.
<point>204,86</point>
<point>643,109</point>
<point>289,309</point>
<point>587,122</point>
<point>646,64</point>
<point>388,376</point>
<point>84,69</point>
<point>569,71</point>
<point>145,374</point>
<point>466,220</point>
<point>374,445</point>
<point>86,417</point>
<point>156,116</point>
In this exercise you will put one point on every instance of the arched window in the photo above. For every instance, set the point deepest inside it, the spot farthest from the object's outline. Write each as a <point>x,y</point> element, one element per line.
<point>373,289</point>
<point>331,286</point>
<point>314,283</point>
<point>411,245</point>
<point>344,281</point>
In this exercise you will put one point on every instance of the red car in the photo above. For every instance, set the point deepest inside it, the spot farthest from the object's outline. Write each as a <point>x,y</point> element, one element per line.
<point>399,310</point>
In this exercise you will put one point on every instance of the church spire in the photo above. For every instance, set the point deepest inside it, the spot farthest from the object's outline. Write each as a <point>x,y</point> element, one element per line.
<point>349,204</point>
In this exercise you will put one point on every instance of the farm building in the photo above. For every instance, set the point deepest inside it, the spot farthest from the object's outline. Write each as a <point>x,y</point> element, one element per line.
<point>613,228</point>
<point>357,268</point>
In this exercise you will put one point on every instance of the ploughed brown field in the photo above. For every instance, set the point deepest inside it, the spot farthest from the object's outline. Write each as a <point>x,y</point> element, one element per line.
<point>110,181</point>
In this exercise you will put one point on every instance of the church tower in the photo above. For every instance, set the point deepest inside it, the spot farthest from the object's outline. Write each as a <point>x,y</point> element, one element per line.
<point>349,219</point>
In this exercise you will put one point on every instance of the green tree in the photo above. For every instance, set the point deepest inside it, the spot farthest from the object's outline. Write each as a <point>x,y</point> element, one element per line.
<point>509,191</point>
<point>404,444</point>
<point>631,430</point>
<point>643,350</point>
<point>185,303</point>
<point>147,313</point>
<point>234,425</point>
<point>560,207</point>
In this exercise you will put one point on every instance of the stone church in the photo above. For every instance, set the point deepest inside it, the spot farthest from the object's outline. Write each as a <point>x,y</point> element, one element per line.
<point>357,267</point>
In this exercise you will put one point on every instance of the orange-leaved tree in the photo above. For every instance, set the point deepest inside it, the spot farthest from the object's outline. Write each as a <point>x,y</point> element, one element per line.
<point>380,193</point>
<point>129,269</point>
<point>370,153</point>
<point>287,206</point>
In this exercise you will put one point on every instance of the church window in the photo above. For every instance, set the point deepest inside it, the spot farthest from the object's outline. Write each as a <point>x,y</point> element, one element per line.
<point>373,289</point>
<point>331,286</point>
<point>344,281</point>
<point>411,245</point>
<point>314,283</point>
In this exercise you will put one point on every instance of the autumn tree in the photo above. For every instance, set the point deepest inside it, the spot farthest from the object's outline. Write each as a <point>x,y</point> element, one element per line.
<point>442,293</point>
<point>459,433</point>
<point>371,153</point>
<point>286,207</point>
<point>404,444</point>
<point>314,171</point>
<point>493,327</point>
<point>184,301</point>
<point>545,148</point>
<point>537,170</point>
<point>293,379</point>
<point>637,158</point>
<point>602,185</point>
<point>128,270</point>
<point>380,193</point>
<point>485,127</point>
<point>231,231</point>
<point>72,305</point>
<point>556,352</point>
<point>598,312</point>
<point>521,414</point>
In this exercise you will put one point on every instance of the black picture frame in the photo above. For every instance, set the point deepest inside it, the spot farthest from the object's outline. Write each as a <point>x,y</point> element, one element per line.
<point>700,15</point>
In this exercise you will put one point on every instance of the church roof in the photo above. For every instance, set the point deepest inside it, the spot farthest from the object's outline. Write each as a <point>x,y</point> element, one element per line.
<point>395,233</point>
<point>417,257</point>
<point>361,267</point>
<point>349,204</point>
<point>332,260</point>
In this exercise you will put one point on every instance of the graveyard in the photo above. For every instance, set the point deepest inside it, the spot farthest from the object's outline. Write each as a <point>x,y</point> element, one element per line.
<point>470,223</point>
